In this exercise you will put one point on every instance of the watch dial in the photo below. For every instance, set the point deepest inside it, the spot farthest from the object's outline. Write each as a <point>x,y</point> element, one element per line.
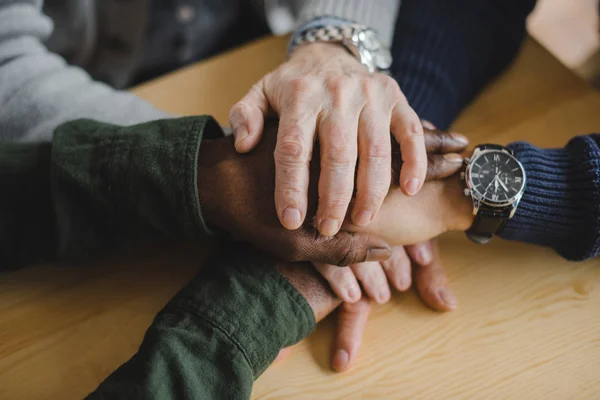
<point>497,176</point>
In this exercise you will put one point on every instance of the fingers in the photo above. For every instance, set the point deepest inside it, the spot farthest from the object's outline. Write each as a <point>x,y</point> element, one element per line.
<point>293,152</point>
<point>439,166</point>
<point>375,153</point>
<point>398,269</point>
<point>443,166</point>
<point>337,137</point>
<point>341,280</point>
<point>430,277</point>
<point>345,249</point>
<point>408,131</point>
<point>352,319</point>
<point>374,281</point>
<point>247,118</point>
<point>437,141</point>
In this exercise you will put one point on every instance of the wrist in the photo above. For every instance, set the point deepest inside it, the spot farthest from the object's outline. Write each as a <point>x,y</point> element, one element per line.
<point>311,286</point>
<point>214,161</point>
<point>323,50</point>
<point>458,210</point>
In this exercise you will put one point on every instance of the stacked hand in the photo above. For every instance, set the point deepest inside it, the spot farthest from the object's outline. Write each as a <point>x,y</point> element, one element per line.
<point>236,194</point>
<point>323,95</point>
<point>238,198</point>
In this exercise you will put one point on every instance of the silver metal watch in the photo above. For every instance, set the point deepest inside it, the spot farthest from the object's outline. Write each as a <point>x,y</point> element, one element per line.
<point>496,181</point>
<point>360,40</point>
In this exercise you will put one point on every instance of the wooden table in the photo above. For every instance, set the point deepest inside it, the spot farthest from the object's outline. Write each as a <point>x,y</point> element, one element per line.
<point>528,325</point>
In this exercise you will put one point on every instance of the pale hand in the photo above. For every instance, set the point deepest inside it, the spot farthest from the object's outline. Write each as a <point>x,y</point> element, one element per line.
<point>323,93</point>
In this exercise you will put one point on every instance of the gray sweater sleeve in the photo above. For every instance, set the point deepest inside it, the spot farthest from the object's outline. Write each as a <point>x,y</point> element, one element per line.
<point>378,14</point>
<point>39,91</point>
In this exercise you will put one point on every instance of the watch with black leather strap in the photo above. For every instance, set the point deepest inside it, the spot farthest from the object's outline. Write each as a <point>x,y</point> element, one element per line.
<point>360,40</point>
<point>496,181</point>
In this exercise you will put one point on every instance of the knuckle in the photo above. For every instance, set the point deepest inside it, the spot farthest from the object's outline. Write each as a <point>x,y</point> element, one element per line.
<point>389,86</point>
<point>340,149</point>
<point>376,195</point>
<point>291,148</point>
<point>340,89</point>
<point>299,87</point>
<point>338,202</point>
<point>339,158</point>
<point>349,257</point>
<point>337,83</point>
<point>289,194</point>
<point>346,251</point>
<point>237,111</point>
<point>380,149</point>
<point>414,129</point>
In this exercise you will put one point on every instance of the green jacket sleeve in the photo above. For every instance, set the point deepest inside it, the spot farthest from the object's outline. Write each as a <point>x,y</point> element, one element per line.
<point>99,186</point>
<point>217,335</point>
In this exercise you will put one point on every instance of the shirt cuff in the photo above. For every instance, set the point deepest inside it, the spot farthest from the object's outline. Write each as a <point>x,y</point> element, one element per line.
<point>379,15</point>
<point>559,207</point>
<point>116,185</point>
<point>316,23</point>
<point>249,302</point>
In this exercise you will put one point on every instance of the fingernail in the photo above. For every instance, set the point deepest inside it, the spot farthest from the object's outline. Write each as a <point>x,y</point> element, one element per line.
<point>412,186</point>
<point>424,255</point>
<point>447,297</point>
<point>291,218</point>
<point>382,297</point>
<point>340,360</point>
<point>404,281</point>
<point>240,134</point>
<point>453,158</point>
<point>329,227</point>
<point>363,218</point>
<point>353,293</point>
<point>378,254</point>
<point>462,139</point>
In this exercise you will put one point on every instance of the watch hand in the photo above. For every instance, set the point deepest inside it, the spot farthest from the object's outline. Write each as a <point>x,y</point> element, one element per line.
<point>503,186</point>
<point>488,186</point>
<point>496,183</point>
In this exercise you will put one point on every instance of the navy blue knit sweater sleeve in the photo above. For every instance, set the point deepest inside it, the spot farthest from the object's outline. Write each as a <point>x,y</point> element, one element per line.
<point>561,204</point>
<point>445,51</point>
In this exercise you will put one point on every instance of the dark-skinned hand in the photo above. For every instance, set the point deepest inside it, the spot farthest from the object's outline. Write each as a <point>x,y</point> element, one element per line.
<point>236,195</point>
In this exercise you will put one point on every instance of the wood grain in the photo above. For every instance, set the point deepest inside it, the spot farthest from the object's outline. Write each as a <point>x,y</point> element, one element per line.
<point>527,327</point>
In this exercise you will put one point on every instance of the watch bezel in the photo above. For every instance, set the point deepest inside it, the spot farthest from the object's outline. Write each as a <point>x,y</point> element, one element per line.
<point>513,201</point>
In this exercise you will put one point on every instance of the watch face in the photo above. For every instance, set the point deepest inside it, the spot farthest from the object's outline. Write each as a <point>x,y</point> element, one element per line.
<point>496,177</point>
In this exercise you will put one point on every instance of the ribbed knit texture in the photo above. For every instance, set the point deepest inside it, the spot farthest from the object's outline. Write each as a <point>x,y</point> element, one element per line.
<point>561,205</point>
<point>379,14</point>
<point>445,52</point>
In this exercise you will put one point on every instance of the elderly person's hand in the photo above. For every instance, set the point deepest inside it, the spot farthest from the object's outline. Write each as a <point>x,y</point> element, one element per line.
<point>323,93</point>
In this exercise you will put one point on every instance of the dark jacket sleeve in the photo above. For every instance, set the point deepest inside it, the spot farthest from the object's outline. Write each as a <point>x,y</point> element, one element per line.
<point>446,51</point>
<point>561,204</point>
<point>217,335</point>
<point>99,187</point>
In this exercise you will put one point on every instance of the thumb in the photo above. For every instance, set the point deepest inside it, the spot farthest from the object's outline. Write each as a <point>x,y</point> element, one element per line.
<point>348,248</point>
<point>247,118</point>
